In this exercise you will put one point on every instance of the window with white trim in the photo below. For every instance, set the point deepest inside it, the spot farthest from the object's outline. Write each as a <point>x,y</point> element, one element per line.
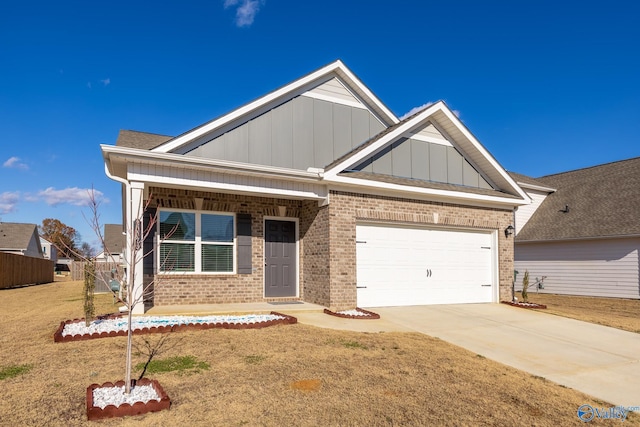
<point>197,242</point>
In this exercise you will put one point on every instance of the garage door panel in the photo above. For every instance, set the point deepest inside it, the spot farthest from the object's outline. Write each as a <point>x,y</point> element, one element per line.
<point>416,266</point>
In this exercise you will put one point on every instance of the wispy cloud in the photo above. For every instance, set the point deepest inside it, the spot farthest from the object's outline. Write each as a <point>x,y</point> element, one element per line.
<point>72,196</point>
<point>15,163</point>
<point>415,110</point>
<point>246,10</point>
<point>8,202</point>
<point>106,81</point>
<point>419,108</point>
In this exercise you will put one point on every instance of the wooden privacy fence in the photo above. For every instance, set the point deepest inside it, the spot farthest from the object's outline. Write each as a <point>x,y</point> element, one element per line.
<point>20,270</point>
<point>103,273</point>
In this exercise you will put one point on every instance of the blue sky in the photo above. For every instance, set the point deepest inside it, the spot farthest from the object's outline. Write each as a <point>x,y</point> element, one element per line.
<point>546,86</point>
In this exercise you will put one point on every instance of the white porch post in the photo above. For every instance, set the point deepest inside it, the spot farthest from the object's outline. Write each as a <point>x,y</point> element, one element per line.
<point>137,255</point>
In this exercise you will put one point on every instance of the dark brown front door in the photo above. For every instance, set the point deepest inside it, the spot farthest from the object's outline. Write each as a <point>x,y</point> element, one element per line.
<point>280,259</point>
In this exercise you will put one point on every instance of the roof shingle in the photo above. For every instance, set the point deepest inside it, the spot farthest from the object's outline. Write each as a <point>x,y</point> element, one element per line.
<point>600,201</point>
<point>14,235</point>
<point>141,140</point>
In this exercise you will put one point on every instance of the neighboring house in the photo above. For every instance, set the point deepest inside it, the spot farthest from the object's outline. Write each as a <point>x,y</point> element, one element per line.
<point>21,239</point>
<point>114,244</point>
<point>318,192</point>
<point>584,234</point>
<point>49,250</point>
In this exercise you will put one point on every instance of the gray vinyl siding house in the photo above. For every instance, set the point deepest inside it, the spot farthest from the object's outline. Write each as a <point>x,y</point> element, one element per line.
<point>20,239</point>
<point>583,234</point>
<point>303,193</point>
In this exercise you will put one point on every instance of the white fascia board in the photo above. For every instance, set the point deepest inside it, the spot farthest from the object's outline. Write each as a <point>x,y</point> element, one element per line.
<point>336,67</point>
<point>377,145</point>
<point>448,196</point>
<point>147,157</point>
<point>536,187</point>
<point>480,148</point>
<point>346,74</point>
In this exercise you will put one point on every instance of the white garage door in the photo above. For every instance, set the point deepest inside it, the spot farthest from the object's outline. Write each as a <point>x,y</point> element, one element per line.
<point>417,266</point>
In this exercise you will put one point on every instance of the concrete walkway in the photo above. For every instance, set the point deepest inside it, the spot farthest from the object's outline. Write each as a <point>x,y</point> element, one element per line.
<point>600,361</point>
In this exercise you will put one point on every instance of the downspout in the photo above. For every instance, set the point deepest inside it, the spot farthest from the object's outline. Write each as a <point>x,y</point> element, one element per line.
<point>515,272</point>
<point>127,186</point>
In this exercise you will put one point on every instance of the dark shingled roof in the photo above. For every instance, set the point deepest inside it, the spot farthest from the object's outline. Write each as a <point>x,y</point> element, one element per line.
<point>602,201</point>
<point>141,140</point>
<point>114,240</point>
<point>14,235</point>
<point>427,184</point>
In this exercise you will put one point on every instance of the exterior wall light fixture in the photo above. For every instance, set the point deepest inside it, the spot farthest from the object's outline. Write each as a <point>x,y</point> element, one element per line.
<point>509,231</point>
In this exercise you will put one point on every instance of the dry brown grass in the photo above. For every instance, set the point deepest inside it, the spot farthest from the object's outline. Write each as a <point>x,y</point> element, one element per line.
<point>615,312</point>
<point>283,375</point>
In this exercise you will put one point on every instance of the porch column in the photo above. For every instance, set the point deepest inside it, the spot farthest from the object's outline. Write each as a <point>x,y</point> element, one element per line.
<point>136,253</point>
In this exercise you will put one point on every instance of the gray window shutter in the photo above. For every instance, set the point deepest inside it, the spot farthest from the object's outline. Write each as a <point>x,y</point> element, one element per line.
<point>147,246</point>
<point>244,243</point>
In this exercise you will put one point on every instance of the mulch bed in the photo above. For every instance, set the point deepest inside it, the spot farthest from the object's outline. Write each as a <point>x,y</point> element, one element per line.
<point>531,305</point>
<point>58,337</point>
<point>367,314</point>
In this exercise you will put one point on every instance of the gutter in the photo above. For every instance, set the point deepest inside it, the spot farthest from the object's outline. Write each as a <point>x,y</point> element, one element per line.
<point>577,239</point>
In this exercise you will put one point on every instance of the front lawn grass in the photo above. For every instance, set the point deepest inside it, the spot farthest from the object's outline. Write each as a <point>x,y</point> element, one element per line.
<point>13,371</point>
<point>294,375</point>
<point>174,364</point>
<point>615,312</point>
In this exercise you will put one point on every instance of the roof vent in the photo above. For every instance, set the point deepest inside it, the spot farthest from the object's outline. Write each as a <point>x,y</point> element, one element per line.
<point>565,210</point>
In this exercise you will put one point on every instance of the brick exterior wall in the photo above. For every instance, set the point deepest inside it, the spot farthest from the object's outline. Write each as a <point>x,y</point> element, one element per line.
<point>347,208</point>
<point>327,243</point>
<point>220,288</point>
<point>315,260</point>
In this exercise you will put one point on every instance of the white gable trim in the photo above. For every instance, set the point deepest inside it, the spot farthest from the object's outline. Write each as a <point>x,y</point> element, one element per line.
<point>439,113</point>
<point>380,143</point>
<point>335,100</point>
<point>430,139</point>
<point>282,94</point>
<point>536,187</point>
<point>485,155</point>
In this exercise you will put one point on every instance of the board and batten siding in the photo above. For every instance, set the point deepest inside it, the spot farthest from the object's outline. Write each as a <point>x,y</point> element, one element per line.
<point>604,268</point>
<point>301,133</point>
<point>524,213</point>
<point>423,160</point>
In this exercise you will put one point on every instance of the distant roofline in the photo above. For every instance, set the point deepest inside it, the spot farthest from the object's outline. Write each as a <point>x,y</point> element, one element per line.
<point>589,167</point>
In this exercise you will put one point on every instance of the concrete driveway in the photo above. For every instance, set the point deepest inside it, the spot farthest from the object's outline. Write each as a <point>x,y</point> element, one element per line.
<point>600,361</point>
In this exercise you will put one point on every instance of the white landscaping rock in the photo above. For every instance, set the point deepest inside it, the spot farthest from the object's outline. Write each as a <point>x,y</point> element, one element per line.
<point>353,313</point>
<point>120,324</point>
